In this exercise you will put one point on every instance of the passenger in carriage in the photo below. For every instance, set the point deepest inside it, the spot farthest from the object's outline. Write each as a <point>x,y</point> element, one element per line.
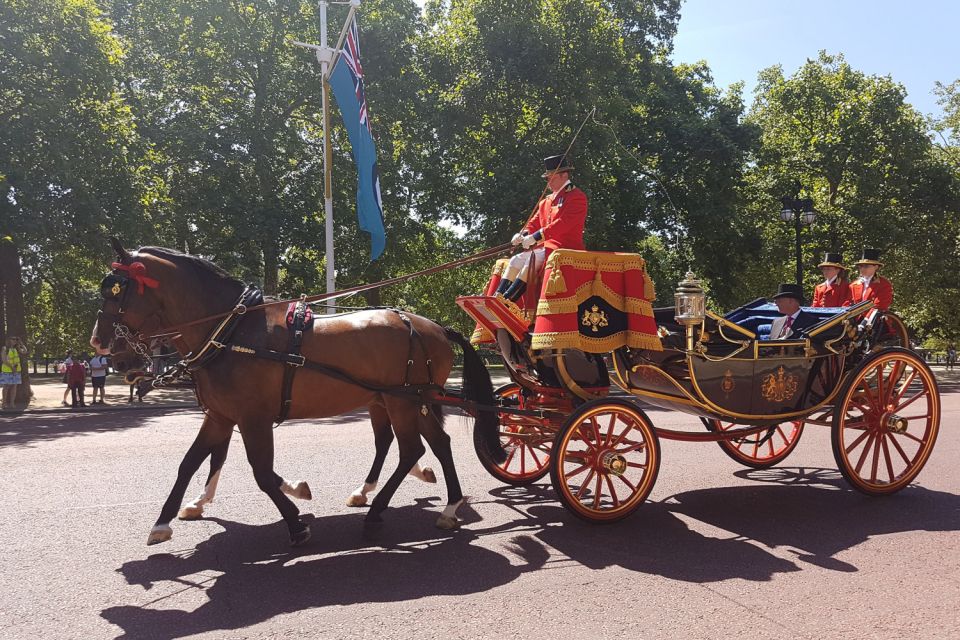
<point>834,291</point>
<point>794,320</point>
<point>556,224</point>
<point>871,286</point>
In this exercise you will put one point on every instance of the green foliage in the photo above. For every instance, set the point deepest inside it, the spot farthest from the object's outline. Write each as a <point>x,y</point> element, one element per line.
<point>196,124</point>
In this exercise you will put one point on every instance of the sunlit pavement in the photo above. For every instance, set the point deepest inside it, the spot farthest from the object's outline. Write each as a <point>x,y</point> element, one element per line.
<point>718,551</point>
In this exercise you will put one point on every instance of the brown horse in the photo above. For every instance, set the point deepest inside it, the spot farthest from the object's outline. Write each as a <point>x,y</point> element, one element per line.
<point>377,351</point>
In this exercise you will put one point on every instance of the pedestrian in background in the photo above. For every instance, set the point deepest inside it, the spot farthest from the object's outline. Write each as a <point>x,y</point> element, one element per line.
<point>11,368</point>
<point>98,377</point>
<point>77,378</point>
<point>64,368</point>
<point>951,356</point>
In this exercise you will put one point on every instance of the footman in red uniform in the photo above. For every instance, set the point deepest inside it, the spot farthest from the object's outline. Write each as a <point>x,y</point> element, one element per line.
<point>834,291</point>
<point>871,286</point>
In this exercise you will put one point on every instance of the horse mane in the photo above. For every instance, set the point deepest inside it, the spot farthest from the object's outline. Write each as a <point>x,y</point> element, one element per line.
<point>197,262</point>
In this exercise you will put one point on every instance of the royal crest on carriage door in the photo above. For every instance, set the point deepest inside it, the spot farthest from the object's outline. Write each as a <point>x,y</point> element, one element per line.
<point>779,386</point>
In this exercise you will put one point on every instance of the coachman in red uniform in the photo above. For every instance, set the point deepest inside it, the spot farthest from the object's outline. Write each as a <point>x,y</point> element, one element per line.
<point>556,224</point>
<point>871,286</point>
<point>834,291</point>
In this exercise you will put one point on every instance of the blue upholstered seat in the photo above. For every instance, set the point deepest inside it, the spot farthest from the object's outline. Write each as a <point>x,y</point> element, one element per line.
<point>758,316</point>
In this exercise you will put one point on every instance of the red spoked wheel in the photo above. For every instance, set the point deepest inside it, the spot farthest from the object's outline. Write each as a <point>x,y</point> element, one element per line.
<point>886,421</point>
<point>606,460</point>
<point>526,442</point>
<point>760,450</point>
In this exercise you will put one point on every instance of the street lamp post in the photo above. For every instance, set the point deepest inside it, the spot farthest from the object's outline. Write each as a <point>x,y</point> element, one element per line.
<point>799,211</point>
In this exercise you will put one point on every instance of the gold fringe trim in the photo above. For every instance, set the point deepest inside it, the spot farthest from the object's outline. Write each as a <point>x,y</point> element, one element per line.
<point>480,336</point>
<point>575,340</point>
<point>548,306</point>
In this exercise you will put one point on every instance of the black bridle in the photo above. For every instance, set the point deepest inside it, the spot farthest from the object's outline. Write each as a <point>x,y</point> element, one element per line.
<point>116,286</point>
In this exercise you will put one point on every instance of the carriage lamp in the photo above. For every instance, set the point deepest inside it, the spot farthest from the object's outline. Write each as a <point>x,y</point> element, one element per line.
<point>690,301</point>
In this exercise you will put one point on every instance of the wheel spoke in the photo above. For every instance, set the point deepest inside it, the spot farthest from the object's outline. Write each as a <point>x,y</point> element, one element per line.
<point>912,437</point>
<point>596,430</point>
<point>880,394</point>
<point>866,450</point>
<point>912,399</point>
<point>636,465</point>
<point>536,460</point>
<point>895,373</point>
<point>886,457</point>
<point>628,483</point>
<point>613,421</point>
<point>506,463</point>
<point>906,385</point>
<point>613,493</point>
<point>596,492</point>
<point>635,447</point>
<point>896,445</point>
<point>876,460</point>
<point>586,483</point>
<point>523,461</point>
<point>576,472</point>
<point>857,441</point>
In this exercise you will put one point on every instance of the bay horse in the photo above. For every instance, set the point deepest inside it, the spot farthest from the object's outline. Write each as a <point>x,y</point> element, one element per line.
<point>366,359</point>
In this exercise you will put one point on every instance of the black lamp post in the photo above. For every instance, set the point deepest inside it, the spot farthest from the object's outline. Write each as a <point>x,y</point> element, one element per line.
<point>799,212</point>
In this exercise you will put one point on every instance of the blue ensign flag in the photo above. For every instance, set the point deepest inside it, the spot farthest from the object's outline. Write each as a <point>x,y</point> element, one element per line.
<point>346,80</point>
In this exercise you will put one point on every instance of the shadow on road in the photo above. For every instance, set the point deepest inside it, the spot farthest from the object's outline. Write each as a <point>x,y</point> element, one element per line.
<point>344,564</point>
<point>809,513</point>
<point>806,514</point>
<point>31,429</point>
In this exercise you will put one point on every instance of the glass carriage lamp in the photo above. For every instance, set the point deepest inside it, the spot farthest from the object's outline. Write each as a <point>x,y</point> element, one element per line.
<point>809,215</point>
<point>786,213</point>
<point>691,301</point>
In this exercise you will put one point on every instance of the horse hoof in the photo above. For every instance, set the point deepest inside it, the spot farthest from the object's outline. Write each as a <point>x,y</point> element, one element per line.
<point>447,523</point>
<point>300,538</point>
<point>356,500</point>
<point>301,490</point>
<point>160,533</point>
<point>190,512</point>
<point>429,475</point>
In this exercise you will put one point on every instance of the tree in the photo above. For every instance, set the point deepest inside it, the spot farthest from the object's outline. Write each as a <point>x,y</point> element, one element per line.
<point>70,167</point>
<point>864,156</point>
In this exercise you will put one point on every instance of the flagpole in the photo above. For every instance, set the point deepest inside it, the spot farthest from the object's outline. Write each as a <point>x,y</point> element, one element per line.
<point>327,154</point>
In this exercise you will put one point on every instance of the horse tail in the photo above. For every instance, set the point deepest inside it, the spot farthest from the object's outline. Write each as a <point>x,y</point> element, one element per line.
<point>478,388</point>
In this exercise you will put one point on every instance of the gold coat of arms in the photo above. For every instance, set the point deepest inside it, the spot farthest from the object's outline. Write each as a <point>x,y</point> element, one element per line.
<point>594,318</point>
<point>779,386</point>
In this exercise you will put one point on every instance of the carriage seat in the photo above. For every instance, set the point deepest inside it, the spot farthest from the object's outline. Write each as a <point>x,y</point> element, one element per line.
<point>758,316</point>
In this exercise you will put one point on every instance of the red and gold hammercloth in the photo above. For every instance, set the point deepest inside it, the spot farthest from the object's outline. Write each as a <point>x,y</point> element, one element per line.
<point>596,302</point>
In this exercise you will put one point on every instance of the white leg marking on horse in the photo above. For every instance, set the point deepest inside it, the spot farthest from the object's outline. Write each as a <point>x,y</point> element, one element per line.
<point>299,490</point>
<point>160,533</point>
<point>359,496</point>
<point>194,510</point>
<point>424,474</point>
<point>448,519</point>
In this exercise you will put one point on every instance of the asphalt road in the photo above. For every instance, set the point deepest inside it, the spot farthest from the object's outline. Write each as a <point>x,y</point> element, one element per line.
<point>718,551</point>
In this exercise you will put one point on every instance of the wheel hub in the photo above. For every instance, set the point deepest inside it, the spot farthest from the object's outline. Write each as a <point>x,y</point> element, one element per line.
<point>614,463</point>
<point>895,423</point>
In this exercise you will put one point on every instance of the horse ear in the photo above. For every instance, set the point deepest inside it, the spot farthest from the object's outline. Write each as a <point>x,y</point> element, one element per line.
<point>121,252</point>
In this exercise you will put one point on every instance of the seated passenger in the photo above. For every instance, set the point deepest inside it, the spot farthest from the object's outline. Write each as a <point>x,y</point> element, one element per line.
<point>557,223</point>
<point>794,320</point>
<point>835,290</point>
<point>871,286</point>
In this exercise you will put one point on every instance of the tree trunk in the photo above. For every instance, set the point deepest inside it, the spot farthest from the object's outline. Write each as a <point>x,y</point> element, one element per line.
<point>15,320</point>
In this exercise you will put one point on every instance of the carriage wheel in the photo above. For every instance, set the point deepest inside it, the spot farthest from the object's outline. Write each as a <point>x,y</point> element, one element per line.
<point>528,447</point>
<point>886,421</point>
<point>606,460</point>
<point>893,332</point>
<point>760,450</point>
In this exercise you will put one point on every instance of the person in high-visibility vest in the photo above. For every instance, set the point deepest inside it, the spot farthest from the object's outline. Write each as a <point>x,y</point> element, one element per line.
<point>10,370</point>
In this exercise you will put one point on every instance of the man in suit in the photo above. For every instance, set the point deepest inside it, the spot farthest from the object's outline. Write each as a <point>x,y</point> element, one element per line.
<point>557,223</point>
<point>794,320</point>
<point>871,286</point>
<point>834,291</point>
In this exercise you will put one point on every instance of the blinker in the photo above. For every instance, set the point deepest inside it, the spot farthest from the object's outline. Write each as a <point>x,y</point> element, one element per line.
<point>111,288</point>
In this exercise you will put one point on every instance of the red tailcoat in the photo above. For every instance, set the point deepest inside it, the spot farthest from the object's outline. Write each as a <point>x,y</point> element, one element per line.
<point>836,294</point>
<point>880,291</point>
<point>561,217</point>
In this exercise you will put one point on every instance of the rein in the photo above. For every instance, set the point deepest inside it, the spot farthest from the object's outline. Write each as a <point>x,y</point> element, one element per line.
<point>241,308</point>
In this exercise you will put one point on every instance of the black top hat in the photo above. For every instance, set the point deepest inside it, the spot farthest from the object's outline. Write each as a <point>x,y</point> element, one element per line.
<point>832,260</point>
<point>789,290</point>
<point>870,256</point>
<point>555,164</point>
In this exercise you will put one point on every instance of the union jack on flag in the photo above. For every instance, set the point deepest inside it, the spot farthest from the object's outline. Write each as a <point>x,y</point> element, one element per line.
<point>351,56</point>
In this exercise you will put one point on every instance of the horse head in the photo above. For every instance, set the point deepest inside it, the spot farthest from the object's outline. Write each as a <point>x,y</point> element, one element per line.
<point>131,308</point>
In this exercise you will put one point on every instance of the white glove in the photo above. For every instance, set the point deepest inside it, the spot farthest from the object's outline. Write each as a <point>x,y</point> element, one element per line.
<point>517,239</point>
<point>529,241</point>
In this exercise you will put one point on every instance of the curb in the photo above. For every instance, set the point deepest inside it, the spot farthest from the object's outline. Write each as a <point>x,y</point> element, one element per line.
<point>179,406</point>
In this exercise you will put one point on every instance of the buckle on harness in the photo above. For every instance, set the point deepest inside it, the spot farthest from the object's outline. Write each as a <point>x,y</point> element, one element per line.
<point>296,363</point>
<point>240,309</point>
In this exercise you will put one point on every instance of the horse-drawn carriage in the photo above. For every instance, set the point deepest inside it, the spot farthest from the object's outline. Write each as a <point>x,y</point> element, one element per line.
<point>593,322</point>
